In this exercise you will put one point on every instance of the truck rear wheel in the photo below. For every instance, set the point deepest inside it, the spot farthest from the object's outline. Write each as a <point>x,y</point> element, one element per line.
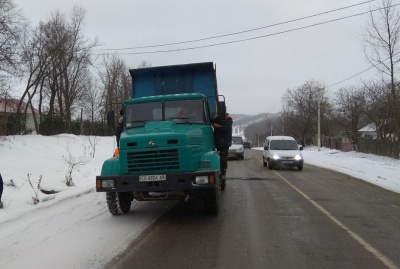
<point>118,203</point>
<point>211,202</point>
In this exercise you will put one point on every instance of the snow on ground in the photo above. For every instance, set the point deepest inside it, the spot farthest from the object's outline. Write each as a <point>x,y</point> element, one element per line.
<point>72,227</point>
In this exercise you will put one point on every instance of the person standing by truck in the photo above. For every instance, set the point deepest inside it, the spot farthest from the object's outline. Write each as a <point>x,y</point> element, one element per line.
<point>1,191</point>
<point>119,128</point>
<point>223,140</point>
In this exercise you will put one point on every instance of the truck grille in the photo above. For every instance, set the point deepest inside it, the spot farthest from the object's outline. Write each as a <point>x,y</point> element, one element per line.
<point>153,160</point>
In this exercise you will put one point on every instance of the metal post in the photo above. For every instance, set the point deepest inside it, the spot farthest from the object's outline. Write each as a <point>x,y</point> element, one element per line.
<point>320,92</point>
<point>319,125</point>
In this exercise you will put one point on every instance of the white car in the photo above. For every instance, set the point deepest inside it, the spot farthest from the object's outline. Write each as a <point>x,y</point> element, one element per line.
<point>236,150</point>
<point>282,151</point>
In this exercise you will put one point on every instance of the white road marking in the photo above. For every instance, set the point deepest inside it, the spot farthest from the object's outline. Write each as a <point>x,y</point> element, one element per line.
<point>379,255</point>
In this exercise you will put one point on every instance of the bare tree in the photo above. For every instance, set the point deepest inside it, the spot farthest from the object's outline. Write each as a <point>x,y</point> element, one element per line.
<point>35,60</point>
<point>117,83</point>
<point>11,25</point>
<point>378,108</point>
<point>92,102</point>
<point>5,91</point>
<point>349,107</point>
<point>144,64</point>
<point>382,48</point>
<point>59,65</point>
<point>300,106</point>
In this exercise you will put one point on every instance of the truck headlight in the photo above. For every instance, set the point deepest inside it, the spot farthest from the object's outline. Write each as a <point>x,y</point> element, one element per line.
<point>276,157</point>
<point>107,183</point>
<point>201,180</point>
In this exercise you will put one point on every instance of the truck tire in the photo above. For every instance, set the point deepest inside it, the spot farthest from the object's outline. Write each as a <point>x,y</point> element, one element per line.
<point>118,203</point>
<point>211,202</point>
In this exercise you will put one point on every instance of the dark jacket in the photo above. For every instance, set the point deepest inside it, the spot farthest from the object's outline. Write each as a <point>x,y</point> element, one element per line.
<point>118,130</point>
<point>223,134</point>
<point>1,186</point>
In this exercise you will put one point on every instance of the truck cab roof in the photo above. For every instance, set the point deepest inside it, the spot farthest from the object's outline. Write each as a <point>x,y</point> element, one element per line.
<point>166,97</point>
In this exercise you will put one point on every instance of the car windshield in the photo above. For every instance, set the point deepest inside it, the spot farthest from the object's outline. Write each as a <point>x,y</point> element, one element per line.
<point>180,111</point>
<point>283,145</point>
<point>237,140</point>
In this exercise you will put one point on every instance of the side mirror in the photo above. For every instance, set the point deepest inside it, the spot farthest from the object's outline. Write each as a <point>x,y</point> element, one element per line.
<point>301,148</point>
<point>221,107</point>
<point>265,147</point>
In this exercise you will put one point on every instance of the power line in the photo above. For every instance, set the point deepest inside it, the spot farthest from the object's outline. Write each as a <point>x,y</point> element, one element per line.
<point>246,39</point>
<point>359,73</point>
<point>241,32</point>
<point>353,76</point>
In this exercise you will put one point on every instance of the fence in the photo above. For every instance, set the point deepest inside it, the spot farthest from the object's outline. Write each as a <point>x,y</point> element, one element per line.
<point>380,147</point>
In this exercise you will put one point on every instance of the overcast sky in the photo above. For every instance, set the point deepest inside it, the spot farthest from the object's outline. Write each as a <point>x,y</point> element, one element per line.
<point>253,75</point>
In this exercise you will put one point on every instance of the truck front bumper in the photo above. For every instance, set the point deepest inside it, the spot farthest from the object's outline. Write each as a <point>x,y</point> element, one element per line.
<point>173,182</point>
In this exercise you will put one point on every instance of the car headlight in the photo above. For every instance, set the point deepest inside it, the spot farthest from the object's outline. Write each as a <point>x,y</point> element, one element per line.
<point>276,157</point>
<point>298,157</point>
<point>240,150</point>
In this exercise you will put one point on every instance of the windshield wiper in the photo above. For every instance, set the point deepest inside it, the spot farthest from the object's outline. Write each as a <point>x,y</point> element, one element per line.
<point>134,123</point>
<point>181,119</point>
<point>177,118</point>
<point>142,121</point>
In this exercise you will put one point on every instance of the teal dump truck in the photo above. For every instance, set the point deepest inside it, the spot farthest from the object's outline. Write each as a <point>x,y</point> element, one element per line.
<point>166,148</point>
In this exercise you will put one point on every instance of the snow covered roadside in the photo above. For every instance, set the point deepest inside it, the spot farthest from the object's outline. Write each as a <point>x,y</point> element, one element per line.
<point>71,228</point>
<point>73,233</point>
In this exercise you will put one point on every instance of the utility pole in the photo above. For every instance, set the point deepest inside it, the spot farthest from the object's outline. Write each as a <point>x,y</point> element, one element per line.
<point>319,125</point>
<point>320,92</point>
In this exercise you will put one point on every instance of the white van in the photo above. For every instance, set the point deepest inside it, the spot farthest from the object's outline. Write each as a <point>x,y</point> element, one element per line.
<point>236,150</point>
<point>282,151</point>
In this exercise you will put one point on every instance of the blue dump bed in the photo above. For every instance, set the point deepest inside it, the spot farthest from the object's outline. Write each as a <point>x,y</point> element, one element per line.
<point>176,79</point>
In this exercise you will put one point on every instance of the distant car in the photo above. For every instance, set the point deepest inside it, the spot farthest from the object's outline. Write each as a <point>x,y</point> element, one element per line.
<point>247,145</point>
<point>236,150</point>
<point>282,151</point>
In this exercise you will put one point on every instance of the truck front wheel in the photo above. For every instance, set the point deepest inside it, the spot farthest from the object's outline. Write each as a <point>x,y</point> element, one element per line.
<point>119,203</point>
<point>211,201</point>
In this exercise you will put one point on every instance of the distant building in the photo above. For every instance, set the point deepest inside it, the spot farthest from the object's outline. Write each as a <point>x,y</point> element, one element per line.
<point>368,131</point>
<point>9,105</point>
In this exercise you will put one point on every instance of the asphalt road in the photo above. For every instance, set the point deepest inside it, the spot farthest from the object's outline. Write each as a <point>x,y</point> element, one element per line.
<point>315,218</point>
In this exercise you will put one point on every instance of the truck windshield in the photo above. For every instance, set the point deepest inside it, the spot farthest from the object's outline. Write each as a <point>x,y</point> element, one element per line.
<point>185,111</point>
<point>180,111</point>
<point>138,114</point>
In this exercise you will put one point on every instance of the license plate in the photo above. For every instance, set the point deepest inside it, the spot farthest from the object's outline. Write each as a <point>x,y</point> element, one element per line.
<point>143,178</point>
<point>287,162</point>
